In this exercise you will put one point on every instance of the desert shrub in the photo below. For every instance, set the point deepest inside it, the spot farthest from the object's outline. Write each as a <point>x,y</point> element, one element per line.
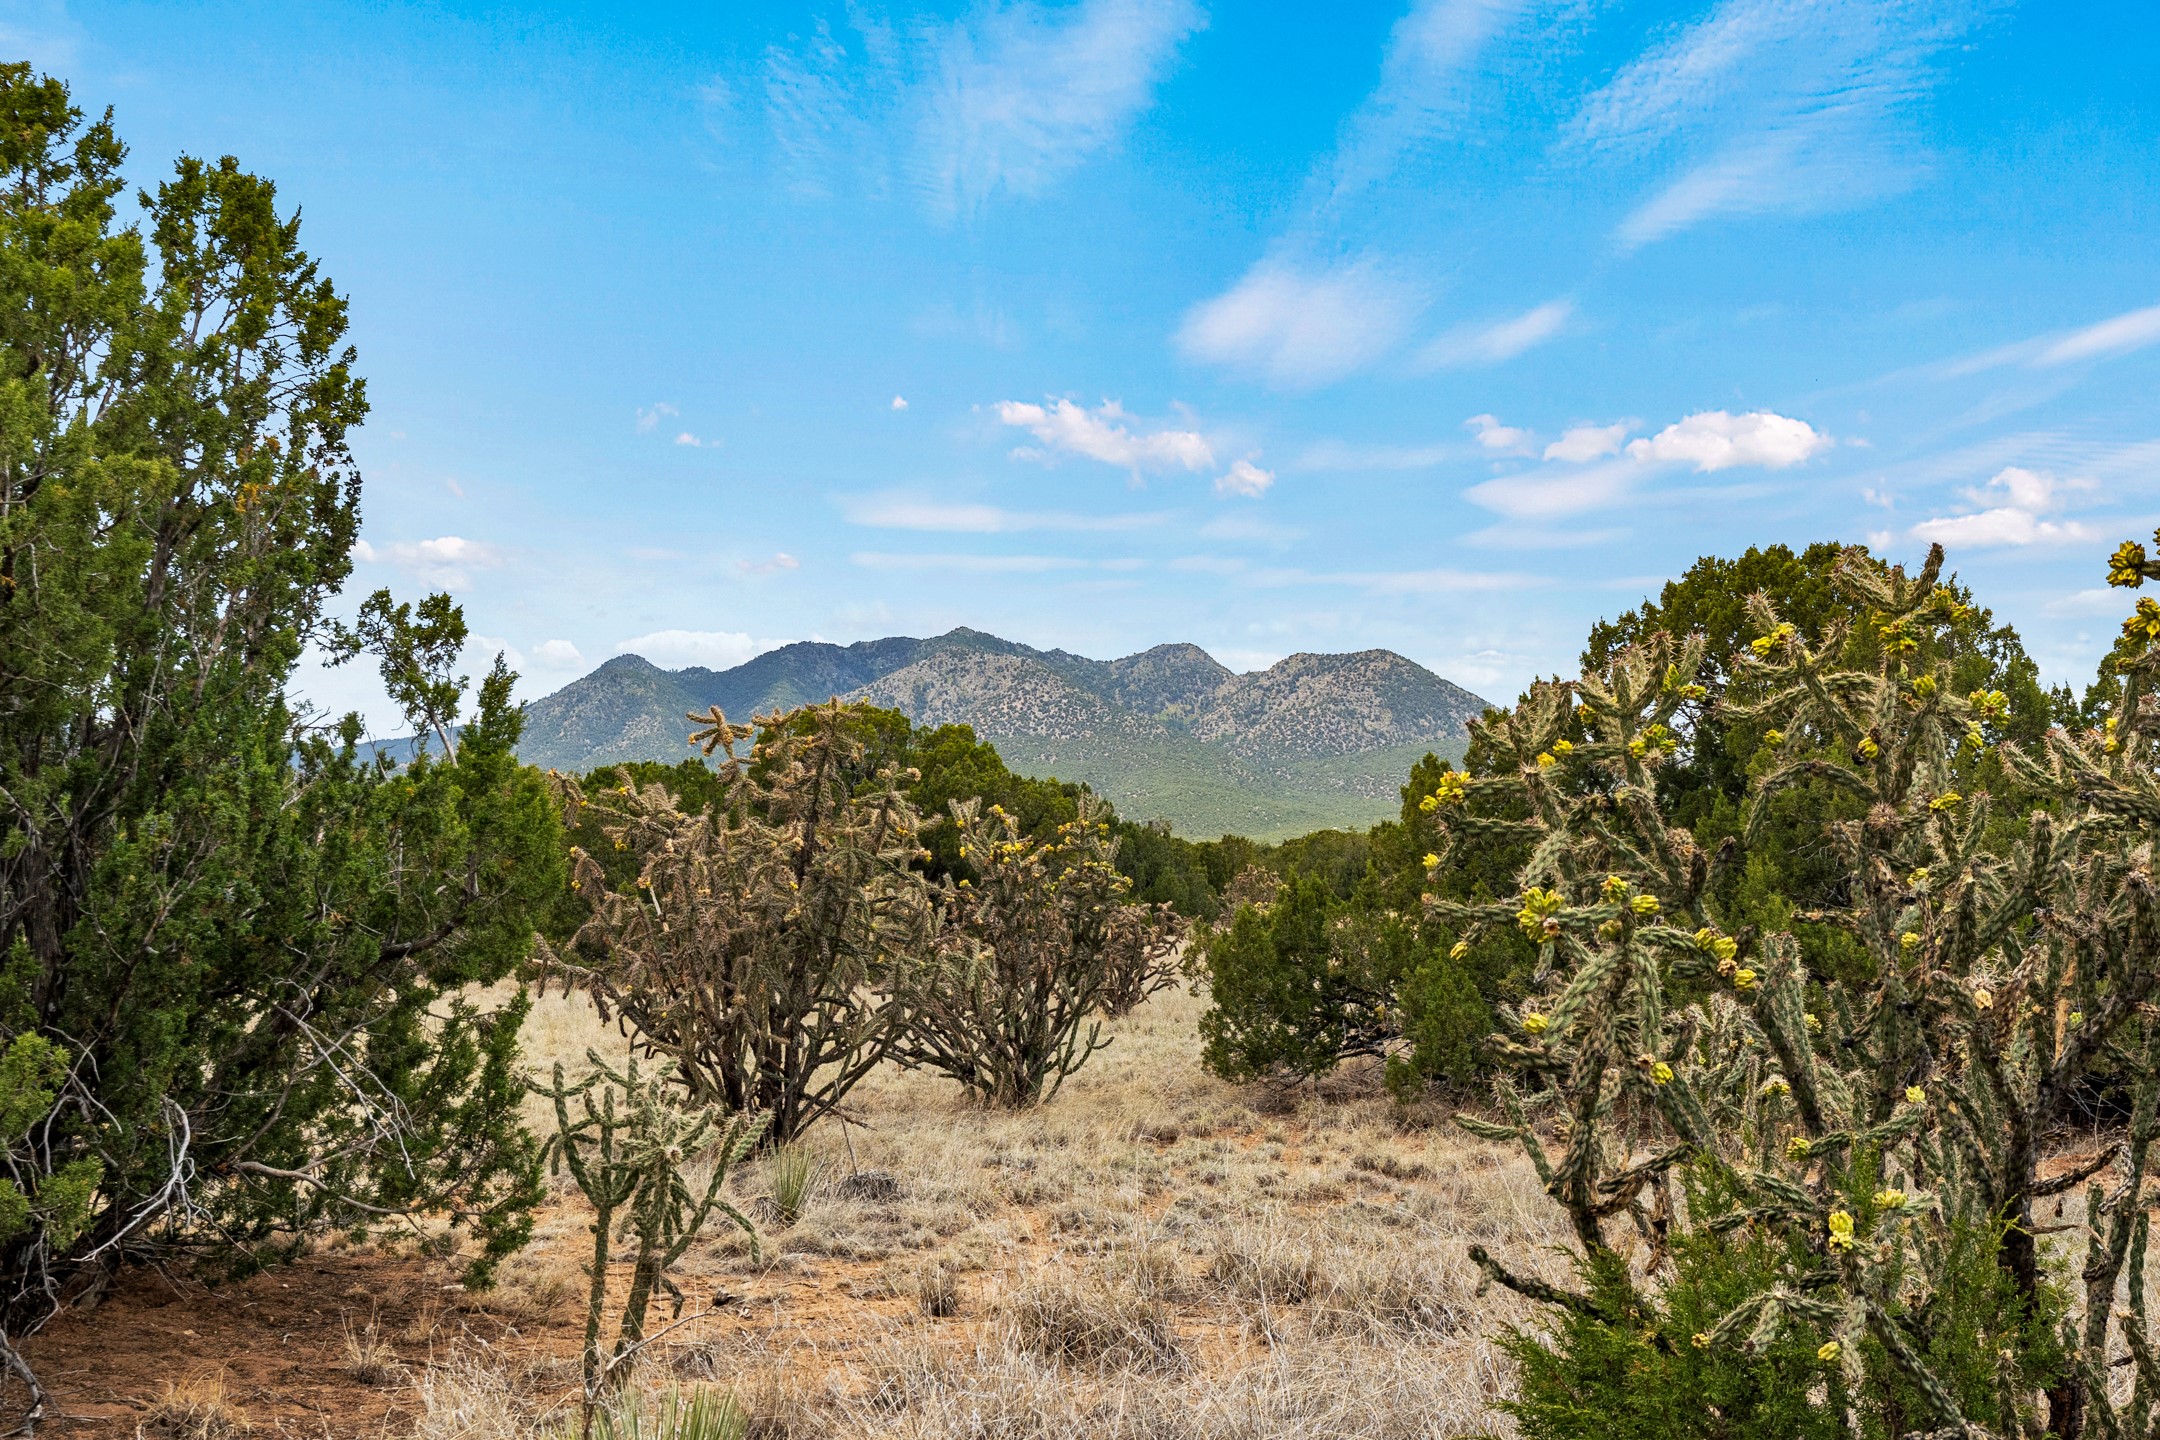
<point>1035,944</point>
<point>790,1172</point>
<point>756,945</point>
<point>626,1149</point>
<point>244,937</point>
<point>700,1414</point>
<point>1873,1118</point>
<point>1313,980</point>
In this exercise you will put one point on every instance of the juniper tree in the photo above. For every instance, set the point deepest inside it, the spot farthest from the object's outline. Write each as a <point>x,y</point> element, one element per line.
<point>756,946</point>
<point>232,946</point>
<point>1037,940</point>
<point>1850,1162</point>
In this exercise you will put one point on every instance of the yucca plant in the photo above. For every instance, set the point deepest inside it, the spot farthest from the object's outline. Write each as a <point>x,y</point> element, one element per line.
<point>1761,1162</point>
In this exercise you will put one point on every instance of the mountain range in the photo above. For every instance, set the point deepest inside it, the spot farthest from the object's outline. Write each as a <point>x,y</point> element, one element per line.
<point>1168,734</point>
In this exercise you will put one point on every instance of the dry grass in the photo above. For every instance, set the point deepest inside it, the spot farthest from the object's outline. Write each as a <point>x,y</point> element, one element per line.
<point>196,1409</point>
<point>1155,1253</point>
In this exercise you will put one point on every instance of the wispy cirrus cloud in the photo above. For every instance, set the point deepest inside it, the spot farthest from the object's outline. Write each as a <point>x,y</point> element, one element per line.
<point>1768,106</point>
<point>911,512</point>
<point>1007,101</point>
<point>1493,341</point>
<point>2117,335</point>
<point>1301,326</point>
<point>969,564</point>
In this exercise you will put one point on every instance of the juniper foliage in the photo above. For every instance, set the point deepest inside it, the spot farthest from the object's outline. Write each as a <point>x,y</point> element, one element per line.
<point>1862,1135</point>
<point>233,947</point>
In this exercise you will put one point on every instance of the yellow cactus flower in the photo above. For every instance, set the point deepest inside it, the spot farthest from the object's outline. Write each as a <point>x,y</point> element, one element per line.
<point>1661,1073</point>
<point>1841,1231</point>
<point>1924,686</point>
<point>1914,1095</point>
<point>1796,1148</point>
<point>1432,862</point>
<point>1563,747</point>
<point>1984,998</point>
<point>1918,879</point>
<point>1889,1199</point>
<point>1743,979</point>
<point>1614,889</point>
<point>1545,760</point>
<point>1760,645</point>
<point>1909,941</point>
<point>1814,1024</point>
<point>1536,916</point>
<point>1638,748</point>
<point>1725,948</point>
<point>1700,1340</point>
<point>1776,1086</point>
<point>1644,905</point>
<point>1458,950</point>
<point>1947,801</point>
<point>1829,1352</point>
<point>1534,1023</point>
<point>2126,567</point>
<point>1868,748</point>
<point>2077,1018</point>
<point>2144,622</point>
<point>1773,738</point>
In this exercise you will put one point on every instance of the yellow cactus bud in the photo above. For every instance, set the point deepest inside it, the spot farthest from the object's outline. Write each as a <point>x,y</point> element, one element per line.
<point>1984,998</point>
<point>1814,1024</point>
<point>1644,905</point>
<point>1889,1199</point>
<point>1743,979</point>
<point>2126,567</point>
<point>1909,941</point>
<point>1545,760</point>
<point>1841,1231</point>
<point>1828,1352</point>
<point>1914,1095</point>
<point>1776,1086</point>
<point>1868,748</point>
<point>1773,738</point>
<point>1638,748</point>
<point>1661,1073</point>
<point>1563,747</point>
<point>1614,889</point>
<point>1947,801</point>
<point>1432,862</point>
<point>1458,950</point>
<point>1534,1023</point>
<point>1796,1148</point>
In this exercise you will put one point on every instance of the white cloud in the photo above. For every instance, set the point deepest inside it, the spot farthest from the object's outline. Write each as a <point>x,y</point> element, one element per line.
<point>648,419</point>
<point>1579,444</point>
<point>899,402</point>
<point>558,655</point>
<point>1502,439</point>
<point>1101,434</point>
<point>713,649</point>
<point>904,512</point>
<point>1244,478</point>
<point>968,564</point>
<point>1719,440</point>
<point>1302,328</point>
<point>2085,604</point>
<point>693,442</point>
<point>2015,502</point>
<point>447,561</point>
<point>1490,342</point>
<point>780,561</point>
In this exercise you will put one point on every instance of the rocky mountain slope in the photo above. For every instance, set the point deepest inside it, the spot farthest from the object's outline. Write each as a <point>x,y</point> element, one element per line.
<point>1168,734</point>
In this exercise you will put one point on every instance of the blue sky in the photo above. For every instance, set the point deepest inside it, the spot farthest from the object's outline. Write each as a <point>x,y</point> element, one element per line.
<point>1447,328</point>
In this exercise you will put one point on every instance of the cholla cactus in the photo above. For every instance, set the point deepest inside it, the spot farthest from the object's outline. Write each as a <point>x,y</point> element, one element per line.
<point>756,946</point>
<point>626,1151</point>
<point>1036,943</point>
<point>1872,1129</point>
